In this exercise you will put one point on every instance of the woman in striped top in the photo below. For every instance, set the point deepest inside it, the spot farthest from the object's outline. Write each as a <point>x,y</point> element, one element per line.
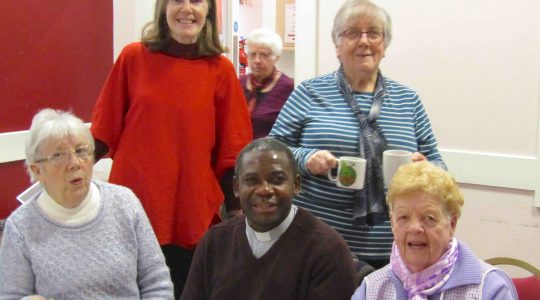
<point>354,111</point>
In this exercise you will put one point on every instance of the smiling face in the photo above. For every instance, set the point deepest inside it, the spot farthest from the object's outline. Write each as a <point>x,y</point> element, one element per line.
<point>361,57</point>
<point>66,182</point>
<point>422,229</point>
<point>266,185</point>
<point>185,19</point>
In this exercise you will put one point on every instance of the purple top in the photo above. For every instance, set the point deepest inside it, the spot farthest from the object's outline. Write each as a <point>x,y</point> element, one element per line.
<point>268,104</point>
<point>467,271</point>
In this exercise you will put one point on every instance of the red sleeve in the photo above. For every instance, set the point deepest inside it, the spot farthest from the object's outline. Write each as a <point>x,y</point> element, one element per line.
<point>112,105</point>
<point>233,123</point>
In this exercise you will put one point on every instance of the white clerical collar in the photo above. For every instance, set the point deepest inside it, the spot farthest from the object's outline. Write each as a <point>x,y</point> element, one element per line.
<point>84,212</point>
<point>275,233</point>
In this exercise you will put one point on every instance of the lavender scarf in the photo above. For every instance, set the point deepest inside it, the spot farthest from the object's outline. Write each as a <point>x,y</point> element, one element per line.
<point>428,281</point>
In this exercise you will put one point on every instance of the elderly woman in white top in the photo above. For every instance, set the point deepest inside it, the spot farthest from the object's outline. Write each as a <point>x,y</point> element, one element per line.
<point>427,261</point>
<point>78,238</point>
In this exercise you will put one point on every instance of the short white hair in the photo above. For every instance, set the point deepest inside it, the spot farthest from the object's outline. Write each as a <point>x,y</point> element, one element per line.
<point>352,9</point>
<point>53,124</point>
<point>266,37</point>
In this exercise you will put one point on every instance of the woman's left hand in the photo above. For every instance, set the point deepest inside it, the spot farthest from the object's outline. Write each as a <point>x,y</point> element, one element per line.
<point>320,162</point>
<point>417,156</point>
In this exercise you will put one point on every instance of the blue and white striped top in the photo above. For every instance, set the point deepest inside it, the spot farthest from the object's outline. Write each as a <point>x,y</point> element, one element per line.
<point>317,117</point>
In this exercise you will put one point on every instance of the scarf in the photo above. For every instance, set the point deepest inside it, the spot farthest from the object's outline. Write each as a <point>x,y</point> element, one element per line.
<point>370,206</point>
<point>257,87</point>
<point>428,281</point>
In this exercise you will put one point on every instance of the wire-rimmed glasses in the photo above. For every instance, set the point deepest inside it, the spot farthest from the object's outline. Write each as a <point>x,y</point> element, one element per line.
<point>356,34</point>
<point>61,157</point>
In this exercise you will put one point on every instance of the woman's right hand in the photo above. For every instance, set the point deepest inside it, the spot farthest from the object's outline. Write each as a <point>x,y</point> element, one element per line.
<point>34,297</point>
<point>320,162</point>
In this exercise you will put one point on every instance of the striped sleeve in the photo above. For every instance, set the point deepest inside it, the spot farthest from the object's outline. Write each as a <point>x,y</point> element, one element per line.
<point>289,124</point>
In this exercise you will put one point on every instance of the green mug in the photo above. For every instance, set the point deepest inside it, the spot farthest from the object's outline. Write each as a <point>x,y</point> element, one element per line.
<point>351,173</point>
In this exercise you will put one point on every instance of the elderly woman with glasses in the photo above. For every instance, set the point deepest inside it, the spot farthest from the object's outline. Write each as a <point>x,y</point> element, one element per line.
<point>354,111</point>
<point>266,88</point>
<point>78,238</point>
<point>427,261</point>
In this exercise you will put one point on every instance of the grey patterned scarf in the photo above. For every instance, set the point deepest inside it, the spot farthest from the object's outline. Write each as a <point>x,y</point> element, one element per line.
<point>370,207</point>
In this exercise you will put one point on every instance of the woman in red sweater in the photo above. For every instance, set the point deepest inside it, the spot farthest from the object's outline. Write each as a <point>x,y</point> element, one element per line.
<point>173,117</point>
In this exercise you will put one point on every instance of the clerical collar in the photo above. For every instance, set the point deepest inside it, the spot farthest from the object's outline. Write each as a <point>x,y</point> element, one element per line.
<point>186,51</point>
<point>273,234</point>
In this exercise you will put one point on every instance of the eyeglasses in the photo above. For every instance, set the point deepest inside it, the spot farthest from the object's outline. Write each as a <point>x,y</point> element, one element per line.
<point>355,35</point>
<point>262,55</point>
<point>61,157</point>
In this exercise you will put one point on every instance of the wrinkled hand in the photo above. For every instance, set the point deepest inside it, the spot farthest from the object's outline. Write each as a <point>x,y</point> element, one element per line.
<point>320,162</point>
<point>34,297</point>
<point>417,156</point>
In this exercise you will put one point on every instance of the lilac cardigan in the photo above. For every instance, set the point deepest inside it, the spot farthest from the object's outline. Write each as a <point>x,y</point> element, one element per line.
<point>468,270</point>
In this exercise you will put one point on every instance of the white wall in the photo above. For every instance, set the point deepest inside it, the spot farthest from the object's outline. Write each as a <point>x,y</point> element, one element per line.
<point>476,65</point>
<point>286,62</point>
<point>129,18</point>
<point>250,17</point>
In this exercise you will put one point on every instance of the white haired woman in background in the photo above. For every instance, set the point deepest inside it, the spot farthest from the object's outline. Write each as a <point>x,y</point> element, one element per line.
<point>78,238</point>
<point>266,88</point>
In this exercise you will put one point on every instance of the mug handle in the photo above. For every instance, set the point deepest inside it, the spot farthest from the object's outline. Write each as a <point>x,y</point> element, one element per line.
<point>330,177</point>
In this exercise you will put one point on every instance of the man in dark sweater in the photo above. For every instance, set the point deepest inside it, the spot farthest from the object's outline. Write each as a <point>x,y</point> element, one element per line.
<point>276,250</point>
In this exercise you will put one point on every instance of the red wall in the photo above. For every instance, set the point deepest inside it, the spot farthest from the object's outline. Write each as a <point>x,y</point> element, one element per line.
<point>52,54</point>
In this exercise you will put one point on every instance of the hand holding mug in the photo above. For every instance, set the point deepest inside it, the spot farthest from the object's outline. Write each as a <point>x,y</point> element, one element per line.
<point>392,160</point>
<point>320,162</point>
<point>417,156</point>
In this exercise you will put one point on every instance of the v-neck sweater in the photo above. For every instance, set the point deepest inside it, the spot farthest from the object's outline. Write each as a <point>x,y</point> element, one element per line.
<point>309,261</point>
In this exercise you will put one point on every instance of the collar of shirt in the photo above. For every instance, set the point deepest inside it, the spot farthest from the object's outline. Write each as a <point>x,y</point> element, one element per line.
<point>85,212</point>
<point>260,242</point>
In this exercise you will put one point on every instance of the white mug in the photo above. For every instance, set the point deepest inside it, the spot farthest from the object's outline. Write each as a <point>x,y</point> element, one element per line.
<point>392,160</point>
<point>351,173</point>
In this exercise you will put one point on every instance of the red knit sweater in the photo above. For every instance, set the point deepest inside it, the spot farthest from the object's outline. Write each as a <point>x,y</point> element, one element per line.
<point>173,126</point>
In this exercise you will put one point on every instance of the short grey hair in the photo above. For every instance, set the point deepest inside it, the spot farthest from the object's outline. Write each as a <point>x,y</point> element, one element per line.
<point>360,9</point>
<point>266,37</point>
<point>53,124</point>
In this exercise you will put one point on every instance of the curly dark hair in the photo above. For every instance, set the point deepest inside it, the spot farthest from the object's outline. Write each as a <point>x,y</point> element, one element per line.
<point>266,144</point>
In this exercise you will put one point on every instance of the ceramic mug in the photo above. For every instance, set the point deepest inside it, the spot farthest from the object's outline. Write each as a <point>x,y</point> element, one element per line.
<point>392,160</point>
<point>351,173</point>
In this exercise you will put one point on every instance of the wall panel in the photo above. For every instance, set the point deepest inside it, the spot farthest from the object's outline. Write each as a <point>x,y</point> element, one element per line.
<point>54,54</point>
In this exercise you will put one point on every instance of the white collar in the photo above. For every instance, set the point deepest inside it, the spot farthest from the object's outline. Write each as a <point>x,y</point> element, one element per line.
<point>84,212</point>
<point>275,233</point>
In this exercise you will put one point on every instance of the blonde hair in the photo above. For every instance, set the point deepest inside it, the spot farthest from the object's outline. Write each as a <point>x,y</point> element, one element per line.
<point>426,177</point>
